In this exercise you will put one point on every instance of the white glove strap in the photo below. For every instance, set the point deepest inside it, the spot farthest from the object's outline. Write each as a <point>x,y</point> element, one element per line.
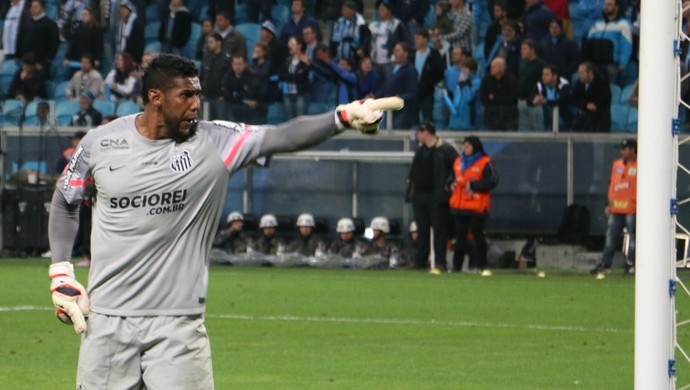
<point>62,268</point>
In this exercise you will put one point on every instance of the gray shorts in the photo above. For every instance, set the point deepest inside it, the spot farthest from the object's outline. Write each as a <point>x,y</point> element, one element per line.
<point>167,352</point>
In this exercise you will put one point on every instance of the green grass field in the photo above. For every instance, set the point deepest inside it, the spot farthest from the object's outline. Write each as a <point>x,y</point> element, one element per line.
<point>276,328</point>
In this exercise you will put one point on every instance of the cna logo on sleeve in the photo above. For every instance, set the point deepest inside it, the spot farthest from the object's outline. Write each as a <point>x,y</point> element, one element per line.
<point>180,162</point>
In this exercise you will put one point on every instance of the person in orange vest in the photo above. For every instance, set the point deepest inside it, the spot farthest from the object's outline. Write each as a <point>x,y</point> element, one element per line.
<point>474,178</point>
<point>621,208</point>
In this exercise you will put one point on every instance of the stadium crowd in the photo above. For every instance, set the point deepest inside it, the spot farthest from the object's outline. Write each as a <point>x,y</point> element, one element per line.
<point>462,64</point>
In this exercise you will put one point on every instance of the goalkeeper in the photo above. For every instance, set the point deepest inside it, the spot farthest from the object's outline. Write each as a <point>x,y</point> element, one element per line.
<point>161,178</point>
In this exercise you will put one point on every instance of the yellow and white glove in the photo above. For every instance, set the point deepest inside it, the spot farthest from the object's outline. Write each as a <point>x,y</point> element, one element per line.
<point>69,296</point>
<point>365,115</point>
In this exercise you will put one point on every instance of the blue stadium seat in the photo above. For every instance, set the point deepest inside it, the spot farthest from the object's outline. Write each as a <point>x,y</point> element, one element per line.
<point>65,110</point>
<point>631,125</point>
<point>153,47</point>
<point>276,114</point>
<point>190,48</point>
<point>7,71</point>
<point>152,13</point>
<point>59,91</point>
<point>619,118</point>
<point>105,107</point>
<point>615,93</point>
<point>250,31</point>
<point>280,15</point>
<point>127,107</point>
<point>241,14</point>
<point>151,31</point>
<point>626,92</point>
<point>30,109</point>
<point>12,112</point>
<point>31,165</point>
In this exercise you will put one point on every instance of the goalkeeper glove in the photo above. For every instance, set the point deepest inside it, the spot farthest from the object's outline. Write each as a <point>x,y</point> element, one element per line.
<point>69,296</point>
<point>360,116</point>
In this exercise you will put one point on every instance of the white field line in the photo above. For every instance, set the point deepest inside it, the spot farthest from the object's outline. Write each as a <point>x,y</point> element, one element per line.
<point>383,321</point>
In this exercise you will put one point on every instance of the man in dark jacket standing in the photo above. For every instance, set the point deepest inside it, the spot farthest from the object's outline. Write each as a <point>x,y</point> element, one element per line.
<point>592,97</point>
<point>130,32</point>
<point>429,67</point>
<point>176,28</point>
<point>402,81</point>
<point>429,194</point>
<point>214,65</point>
<point>499,95</point>
<point>39,35</point>
<point>242,92</point>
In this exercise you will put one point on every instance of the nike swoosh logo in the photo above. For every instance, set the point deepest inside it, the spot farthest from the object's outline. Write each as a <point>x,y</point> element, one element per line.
<point>114,169</point>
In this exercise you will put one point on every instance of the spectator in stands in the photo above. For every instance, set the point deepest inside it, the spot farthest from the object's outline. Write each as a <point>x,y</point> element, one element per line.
<point>71,17</point>
<point>462,26</point>
<point>43,117</point>
<point>347,245</point>
<point>261,65</point>
<point>411,12</point>
<point>428,192</point>
<point>588,11</point>
<point>331,10</point>
<point>609,42</point>
<point>561,11</point>
<point>500,16</point>
<point>444,48</point>
<point>256,7</point>
<point>120,82</point>
<point>429,68</point>
<point>242,93</point>
<point>621,209</point>
<point>368,78</point>
<point>385,33</point>
<point>350,37</point>
<point>279,52</point>
<point>531,118</point>
<point>339,72</point>
<point>507,47</point>
<point>474,178</point>
<point>402,81</point>
<point>295,79</point>
<point>85,79</point>
<point>175,28</point>
<point>379,247</point>
<point>321,80</point>
<point>458,57</point>
<point>298,21</point>
<point>232,238</point>
<point>138,73</point>
<point>307,243</point>
<point>214,66</point>
<point>499,95</point>
<point>592,97</point>
<point>130,36</point>
<point>233,41</point>
<point>39,35</point>
<point>87,116</point>
<point>553,91</point>
<point>86,38</point>
<point>206,30</point>
<point>443,24</point>
<point>537,19</point>
<point>559,50</point>
<point>462,99</point>
<point>29,82</point>
<point>17,14</point>
<point>267,242</point>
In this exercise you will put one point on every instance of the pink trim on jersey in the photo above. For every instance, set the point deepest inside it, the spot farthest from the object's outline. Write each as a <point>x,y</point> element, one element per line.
<point>77,183</point>
<point>236,147</point>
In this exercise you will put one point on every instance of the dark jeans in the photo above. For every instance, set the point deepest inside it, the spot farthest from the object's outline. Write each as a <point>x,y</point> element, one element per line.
<point>614,231</point>
<point>429,213</point>
<point>426,107</point>
<point>475,223</point>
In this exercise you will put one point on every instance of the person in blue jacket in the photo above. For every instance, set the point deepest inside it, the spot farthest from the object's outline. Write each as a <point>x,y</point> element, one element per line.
<point>401,81</point>
<point>461,100</point>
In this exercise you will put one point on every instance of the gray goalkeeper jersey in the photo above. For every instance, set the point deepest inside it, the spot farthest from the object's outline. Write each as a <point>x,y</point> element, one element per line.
<point>157,209</point>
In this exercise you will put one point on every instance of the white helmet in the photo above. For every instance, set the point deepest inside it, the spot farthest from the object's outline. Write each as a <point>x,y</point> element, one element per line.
<point>345,225</point>
<point>413,227</point>
<point>380,223</point>
<point>268,221</point>
<point>305,219</point>
<point>235,216</point>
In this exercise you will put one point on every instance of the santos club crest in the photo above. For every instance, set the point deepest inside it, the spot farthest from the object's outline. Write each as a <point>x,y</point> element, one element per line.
<point>180,162</point>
